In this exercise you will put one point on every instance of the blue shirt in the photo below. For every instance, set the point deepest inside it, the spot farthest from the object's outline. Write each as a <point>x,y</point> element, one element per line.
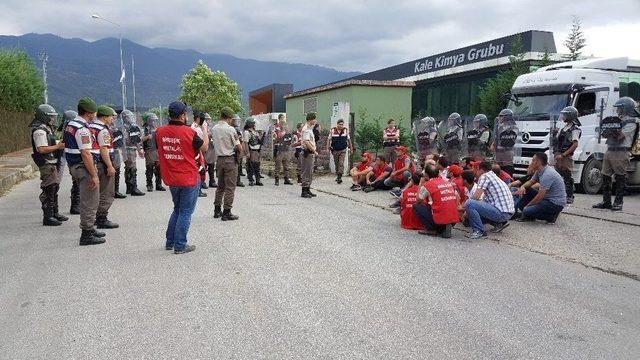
<point>553,183</point>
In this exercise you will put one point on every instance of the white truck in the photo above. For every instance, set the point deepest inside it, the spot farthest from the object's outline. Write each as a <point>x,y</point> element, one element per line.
<point>592,86</point>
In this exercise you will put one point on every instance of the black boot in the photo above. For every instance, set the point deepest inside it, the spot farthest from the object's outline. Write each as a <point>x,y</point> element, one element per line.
<point>568,184</point>
<point>46,197</point>
<point>620,186</point>
<point>606,194</point>
<point>277,182</point>
<point>299,179</point>
<point>118,195</point>
<point>305,193</point>
<point>201,193</point>
<point>228,216</point>
<point>127,180</point>
<point>97,233</point>
<point>56,211</point>
<point>75,198</point>
<point>287,181</point>
<point>159,186</point>
<point>134,183</point>
<point>217,213</point>
<point>339,179</point>
<point>103,223</point>
<point>88,238</point>
<point>310,193</point>
<point>149,174</point>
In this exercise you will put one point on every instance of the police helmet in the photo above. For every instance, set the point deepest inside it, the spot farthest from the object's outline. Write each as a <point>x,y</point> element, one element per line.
<point>570,113</point>
<point>207,116</point>
<point>482,119</point>
<point>127,116</point>
<point>506,114</point>
<point>44,113</point>
<point>249,122</point>
<point>625,106</point>
<point>70,115</point>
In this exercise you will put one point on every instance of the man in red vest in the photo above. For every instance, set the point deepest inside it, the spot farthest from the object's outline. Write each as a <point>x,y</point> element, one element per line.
<point>178,148</point>
<point>408,218</point>
<point>360,170</point>
<point>437,206</point>
<point>402,169</point>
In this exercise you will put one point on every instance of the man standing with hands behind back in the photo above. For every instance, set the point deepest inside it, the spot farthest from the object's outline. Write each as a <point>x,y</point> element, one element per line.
<point>178,146</point>
<point>226,143</point>
<point>309,154</point>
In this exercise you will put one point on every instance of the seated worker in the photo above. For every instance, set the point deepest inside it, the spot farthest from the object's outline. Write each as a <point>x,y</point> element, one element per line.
<point>359,172</point>
<point>547,202</point>
<point>408,218</point>
<point>376,177</point>
<point>402,169</point>
<point>465,163</point>
<point>496,207</point>
<point>442,165</point>
<point>514,185</point>
<point>454,173</point>
<point>503,175</point>
<point>468,181</point>
<point>437,206</point>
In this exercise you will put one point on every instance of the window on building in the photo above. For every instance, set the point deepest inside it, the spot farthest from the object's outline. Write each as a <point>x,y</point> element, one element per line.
<point>310,105</point>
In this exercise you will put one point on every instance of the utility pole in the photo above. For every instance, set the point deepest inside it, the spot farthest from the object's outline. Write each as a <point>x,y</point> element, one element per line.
<point>122,73</point>
<point>44,58</point>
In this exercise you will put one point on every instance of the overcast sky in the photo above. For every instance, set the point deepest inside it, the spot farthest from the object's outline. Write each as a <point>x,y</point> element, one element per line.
<point>352,35</point>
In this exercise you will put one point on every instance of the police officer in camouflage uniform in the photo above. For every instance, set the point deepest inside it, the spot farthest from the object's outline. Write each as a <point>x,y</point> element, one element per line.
<point>478,138</point>
<point>616,160</point>
<point>236,125</point>
<point>47,154</point>
<point>506,135</point>
<point>151,151</point>
<point>453,138</point>
<point>282,141</point>
<point>118,150</point>
<point>565,143</point>
<point>133,148</point>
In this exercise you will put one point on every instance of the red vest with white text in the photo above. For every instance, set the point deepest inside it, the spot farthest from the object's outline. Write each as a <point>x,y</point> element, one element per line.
<point>408,218</point>
<point>177,156</point>
<point>444,205</point>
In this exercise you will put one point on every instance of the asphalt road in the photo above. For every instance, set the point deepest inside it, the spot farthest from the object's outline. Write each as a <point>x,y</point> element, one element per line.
<point>294,278</point>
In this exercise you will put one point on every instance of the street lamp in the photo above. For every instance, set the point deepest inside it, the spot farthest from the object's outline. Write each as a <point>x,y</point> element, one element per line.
<point>122,75</point>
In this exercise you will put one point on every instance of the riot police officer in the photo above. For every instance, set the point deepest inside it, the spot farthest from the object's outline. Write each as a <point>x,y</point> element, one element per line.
<point>478,138</point>
<point>252,142</point>
<point>620,133</point>
<point>75,192</point>
<point>453,138</point>
<point>151,151</point>
<point>236,125</point>
<point>425,132</point>
<point>506,135</point>
<point>210,154</point>
<point>282,141</point>
<point>47,154</point>
<point>133,148</point>
<point>564,143</point>
<point>118,150</point>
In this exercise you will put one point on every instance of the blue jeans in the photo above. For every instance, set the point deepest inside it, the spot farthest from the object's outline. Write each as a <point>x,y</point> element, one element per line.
<point>544,210</point>
<point>480,212</point>
<point>391,183</point>
<point>184,203</point>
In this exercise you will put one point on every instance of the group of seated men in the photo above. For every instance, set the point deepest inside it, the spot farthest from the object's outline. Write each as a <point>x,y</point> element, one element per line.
<point>474,193</point>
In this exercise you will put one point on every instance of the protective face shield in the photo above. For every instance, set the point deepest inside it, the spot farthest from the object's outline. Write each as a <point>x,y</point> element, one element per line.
<point>570,115</point>
<point>250,123</point>
<point>506,116</point>
<point>506,132</point>
<point>151,120</point>
<point>45,114</point>
<point>626,106</point>
<point>480,121</point>
<point>128,118</point>
<point>235,121</point>
<point>454,120</point>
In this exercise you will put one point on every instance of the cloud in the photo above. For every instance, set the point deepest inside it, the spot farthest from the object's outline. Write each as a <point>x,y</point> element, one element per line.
<point>347,35</point>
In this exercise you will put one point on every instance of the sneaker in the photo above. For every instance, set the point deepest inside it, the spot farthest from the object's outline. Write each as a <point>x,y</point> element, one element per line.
<point>569,200</point>
<point>476,234</point>
<point>369,189</point>
<point>251,183</point>
<point>356,188</point>
<point>499,227</point>
<point>202,194</point>
<point>187,249</point>
<point>352,187</point>
<point>396,192</point>
<point>168,247</point>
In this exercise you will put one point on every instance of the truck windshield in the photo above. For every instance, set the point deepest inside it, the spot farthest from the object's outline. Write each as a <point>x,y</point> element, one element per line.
<point>532,104</point>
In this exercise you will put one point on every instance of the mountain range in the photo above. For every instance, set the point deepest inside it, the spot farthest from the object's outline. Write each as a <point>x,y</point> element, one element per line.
<point>77,68</point>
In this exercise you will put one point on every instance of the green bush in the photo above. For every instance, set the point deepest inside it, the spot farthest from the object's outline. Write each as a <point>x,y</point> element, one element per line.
<point>21,86</point>
<point>15,133</point>
<point>368,132</point>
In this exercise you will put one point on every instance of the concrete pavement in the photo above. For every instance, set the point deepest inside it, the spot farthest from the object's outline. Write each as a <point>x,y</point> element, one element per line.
<point>295,278</point>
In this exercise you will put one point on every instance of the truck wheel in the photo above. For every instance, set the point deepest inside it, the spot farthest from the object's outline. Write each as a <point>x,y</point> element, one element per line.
<point>591,181</point>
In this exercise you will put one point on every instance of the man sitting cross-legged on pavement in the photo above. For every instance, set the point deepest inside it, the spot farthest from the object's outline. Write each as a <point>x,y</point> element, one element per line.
<point>359,172</point>
<point>547,202</point>
<point>379,172</point>
<point>437,205</point>
<point>497,206</point>
<point>402,169</point>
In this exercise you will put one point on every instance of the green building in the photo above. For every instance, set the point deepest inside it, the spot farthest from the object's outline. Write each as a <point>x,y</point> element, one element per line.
<point>380,100</point>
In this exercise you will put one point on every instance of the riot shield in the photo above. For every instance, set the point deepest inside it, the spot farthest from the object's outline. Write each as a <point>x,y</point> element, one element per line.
<point>555,125</point>
<point>452,140</point>
<point>425,133</point>
<point>477,137</point>
<point>507,135</point>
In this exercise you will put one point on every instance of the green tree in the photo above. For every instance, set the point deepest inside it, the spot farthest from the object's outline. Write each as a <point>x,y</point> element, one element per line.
<point>545,60</point>
<point>492,93</point>
<point>21,85</point>
<point>210,91</point>
<point>575,40</point>
<point>368,132</point>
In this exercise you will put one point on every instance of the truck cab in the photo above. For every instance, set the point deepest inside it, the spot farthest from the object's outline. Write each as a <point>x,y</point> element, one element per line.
<point>591,86</point>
